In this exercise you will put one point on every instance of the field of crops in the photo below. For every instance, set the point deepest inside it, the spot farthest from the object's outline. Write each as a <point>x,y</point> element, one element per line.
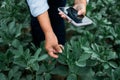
<point>90,53</point>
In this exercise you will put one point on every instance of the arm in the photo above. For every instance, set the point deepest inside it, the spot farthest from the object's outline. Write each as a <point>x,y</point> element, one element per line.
<point>51,42</point>
<point>39,9</point>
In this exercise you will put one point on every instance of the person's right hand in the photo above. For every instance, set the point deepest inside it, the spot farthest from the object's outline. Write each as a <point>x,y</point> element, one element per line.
<point>52,46</point>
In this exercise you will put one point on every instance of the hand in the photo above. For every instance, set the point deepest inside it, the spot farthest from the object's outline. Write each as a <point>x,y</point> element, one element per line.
<point>81,8</point>
<point>52,46</point>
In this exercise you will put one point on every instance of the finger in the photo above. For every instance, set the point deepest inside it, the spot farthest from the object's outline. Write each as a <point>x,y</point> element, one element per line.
<point>51,53</point>
<point>54,51</point>
<point>62,15</point>
<point>58,49</point>
<point>80,12</point>
<point>80,8</point>
<point>61,12</point>
<point>61,46</point>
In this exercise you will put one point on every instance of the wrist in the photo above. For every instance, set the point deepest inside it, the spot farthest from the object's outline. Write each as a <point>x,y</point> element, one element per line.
<point>80,2</point>
<point>80,6</point>
<point>48,33</point>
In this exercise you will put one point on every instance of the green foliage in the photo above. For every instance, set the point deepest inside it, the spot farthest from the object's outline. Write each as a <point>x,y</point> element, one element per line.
<point>91,52</point>
<point>13,10</point>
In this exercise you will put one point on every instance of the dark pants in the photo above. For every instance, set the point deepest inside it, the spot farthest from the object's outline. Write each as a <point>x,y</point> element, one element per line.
<point>56,22</point>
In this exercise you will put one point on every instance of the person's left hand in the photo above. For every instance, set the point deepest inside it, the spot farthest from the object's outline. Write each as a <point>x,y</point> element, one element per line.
<point>81,8</point>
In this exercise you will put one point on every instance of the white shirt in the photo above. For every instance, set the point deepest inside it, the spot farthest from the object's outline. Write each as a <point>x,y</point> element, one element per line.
<point>38,7</point>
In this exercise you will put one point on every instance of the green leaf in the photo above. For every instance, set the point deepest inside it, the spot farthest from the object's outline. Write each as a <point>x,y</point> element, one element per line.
<point>18,31</point>
<point>72,77</point>
<point>60,70</point>
<point>100,73</point>
<point>62,59</point>
<point>31,61</point>
<point>18,52</point>
<point>95,56</point>
<point>12,26</point>
<point>27,54</point>
<point>14,70</point>
<point>2,57</point>
<point>17,75</point>
<point>15,43</point>
<point>10,74</point>
<point>92,62</point>
<point>112,55</point>
<point>80,63</point>
<point>87,50</point>
<point>105,65</point>
<point>35,66</point>
<point>42,57</point>
<point>3,66</point>
<point>47,76</point>
<point>2,76</point>
<point>39,77</point>
<point>21,62</point>
<point>113,64</point>
<point>84,57</point>
<point>117,41</point>
<point>42,69</point>
<point>117,73</point>
<point>1,40</point>
<point>37,53</point>
<point>95,47</point>
<point>29,77</point>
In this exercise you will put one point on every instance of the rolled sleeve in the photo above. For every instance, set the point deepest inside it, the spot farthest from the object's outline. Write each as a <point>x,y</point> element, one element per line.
<point>87,1</point>
<point>37,7</point>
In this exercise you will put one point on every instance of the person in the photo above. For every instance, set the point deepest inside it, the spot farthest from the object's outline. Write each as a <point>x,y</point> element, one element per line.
<point>47,23</point>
